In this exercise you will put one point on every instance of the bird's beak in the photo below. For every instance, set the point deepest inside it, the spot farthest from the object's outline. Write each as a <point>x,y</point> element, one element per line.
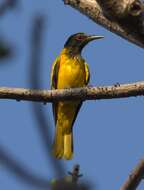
<point>89,39</point>
<point>94,37</point>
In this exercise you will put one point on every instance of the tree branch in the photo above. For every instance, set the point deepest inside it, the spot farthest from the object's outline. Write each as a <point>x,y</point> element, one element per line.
<point>21,171</point>
<point>42,118</point>
<point>6,5</point>
<point>135,177</point>
<point>123,17</point>
<point>86,93</point>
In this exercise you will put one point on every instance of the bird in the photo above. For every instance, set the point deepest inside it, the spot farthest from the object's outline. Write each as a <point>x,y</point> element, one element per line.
<point>69,70</point>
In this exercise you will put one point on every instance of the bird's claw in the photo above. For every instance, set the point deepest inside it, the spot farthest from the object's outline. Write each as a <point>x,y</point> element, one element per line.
<point>117,84</point>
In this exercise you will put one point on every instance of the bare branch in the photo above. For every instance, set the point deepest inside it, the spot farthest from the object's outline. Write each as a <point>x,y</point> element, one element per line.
<point>75,173</point>
<point>135,177</point>
<point>123,17</point>
<point>86,93</point>
<point>121,8</point>
<point>21,171</point>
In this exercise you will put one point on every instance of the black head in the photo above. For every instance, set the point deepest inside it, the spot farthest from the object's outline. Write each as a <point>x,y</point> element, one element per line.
<point>77,41</point>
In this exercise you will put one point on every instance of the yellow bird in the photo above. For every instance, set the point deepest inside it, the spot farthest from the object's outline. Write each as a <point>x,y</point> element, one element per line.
<point>69,71</point>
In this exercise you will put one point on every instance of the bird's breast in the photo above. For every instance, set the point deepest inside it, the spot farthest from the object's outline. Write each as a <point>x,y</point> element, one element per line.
<point>71,73</point>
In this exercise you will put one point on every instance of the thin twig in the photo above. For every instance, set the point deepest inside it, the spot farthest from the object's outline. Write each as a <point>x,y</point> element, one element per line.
<point>86,93</point>
<point>75,173</point>
<point>6,5</point>
<point>134,178</point>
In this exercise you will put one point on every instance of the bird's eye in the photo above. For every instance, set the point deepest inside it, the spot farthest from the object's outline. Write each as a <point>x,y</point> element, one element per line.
<point>80,38</point>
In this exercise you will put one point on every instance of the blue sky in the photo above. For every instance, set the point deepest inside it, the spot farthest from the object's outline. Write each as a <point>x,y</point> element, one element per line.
<point>108,134</point>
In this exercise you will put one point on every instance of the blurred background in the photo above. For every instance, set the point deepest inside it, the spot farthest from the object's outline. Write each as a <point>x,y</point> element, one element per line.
<point>108,134</point>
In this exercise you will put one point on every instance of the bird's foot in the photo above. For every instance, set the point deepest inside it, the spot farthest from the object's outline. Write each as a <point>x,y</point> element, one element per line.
<point>117,84</point>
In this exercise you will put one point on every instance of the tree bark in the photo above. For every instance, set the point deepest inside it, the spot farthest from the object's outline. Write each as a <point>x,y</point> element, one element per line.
<point>123,17</point>
<point>86,93</point>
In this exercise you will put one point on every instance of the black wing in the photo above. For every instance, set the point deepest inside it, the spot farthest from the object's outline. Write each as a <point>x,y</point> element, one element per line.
<point>54,81</point>
<point>87,78</point>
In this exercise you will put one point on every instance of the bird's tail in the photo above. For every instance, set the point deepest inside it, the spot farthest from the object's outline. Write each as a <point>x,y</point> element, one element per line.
<point>58,145</point>
<point>63,144</point>
<point>68,146</point>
